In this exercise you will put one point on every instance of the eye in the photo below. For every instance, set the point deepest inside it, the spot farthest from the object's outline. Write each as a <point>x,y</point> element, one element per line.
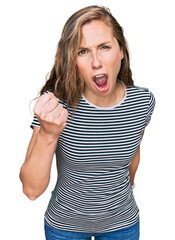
<point>82,52</point>
<point>105,47</point>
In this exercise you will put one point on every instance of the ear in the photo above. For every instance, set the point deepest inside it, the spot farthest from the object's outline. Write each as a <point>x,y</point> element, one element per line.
<point>121,52</point>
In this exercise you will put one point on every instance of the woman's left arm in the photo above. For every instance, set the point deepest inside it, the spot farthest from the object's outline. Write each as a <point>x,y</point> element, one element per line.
<point>134,164</point>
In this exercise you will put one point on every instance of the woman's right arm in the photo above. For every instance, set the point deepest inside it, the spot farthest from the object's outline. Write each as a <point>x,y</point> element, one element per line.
<point>35,171</point>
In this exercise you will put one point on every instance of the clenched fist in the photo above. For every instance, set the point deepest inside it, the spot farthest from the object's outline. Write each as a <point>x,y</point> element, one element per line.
<point>51,115</point>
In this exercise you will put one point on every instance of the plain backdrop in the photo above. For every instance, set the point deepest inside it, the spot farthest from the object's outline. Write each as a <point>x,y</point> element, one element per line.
<point>29,32</point>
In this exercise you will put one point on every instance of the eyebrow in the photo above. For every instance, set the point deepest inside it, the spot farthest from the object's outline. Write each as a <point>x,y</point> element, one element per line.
<point>99,45</point>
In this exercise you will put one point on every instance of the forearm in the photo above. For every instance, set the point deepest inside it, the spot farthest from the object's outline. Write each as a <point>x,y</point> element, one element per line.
<point>135,163</point>
<point>35,172</point>
<point>133,166</point>
<point>132,175</point>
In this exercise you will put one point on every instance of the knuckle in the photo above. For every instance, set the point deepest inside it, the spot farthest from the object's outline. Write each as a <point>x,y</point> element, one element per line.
<point>66,112</point>
<point>51,119</point>
<point>59,124</point>
<point>36,111</point>
<point>54,101</point>
<point>60,107</point>
<point>42,98</point>
<point>42,115</point>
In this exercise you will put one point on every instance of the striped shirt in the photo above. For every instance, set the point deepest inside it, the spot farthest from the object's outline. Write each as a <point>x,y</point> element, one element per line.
<point>93,192</point>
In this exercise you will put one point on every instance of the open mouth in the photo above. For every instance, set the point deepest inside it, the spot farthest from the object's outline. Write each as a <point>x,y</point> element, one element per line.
<point>101,82</point>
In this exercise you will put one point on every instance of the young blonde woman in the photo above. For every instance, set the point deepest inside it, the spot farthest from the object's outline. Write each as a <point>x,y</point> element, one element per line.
<point>92,116</point>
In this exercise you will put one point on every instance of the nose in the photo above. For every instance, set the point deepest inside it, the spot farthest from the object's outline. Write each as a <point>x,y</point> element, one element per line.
<point>96,62</point>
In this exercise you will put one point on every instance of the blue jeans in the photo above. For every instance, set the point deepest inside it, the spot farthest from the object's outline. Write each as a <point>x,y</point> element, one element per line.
<point>129,233</point>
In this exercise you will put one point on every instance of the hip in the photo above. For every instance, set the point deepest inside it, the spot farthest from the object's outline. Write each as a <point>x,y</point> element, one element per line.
<point>130,233</point>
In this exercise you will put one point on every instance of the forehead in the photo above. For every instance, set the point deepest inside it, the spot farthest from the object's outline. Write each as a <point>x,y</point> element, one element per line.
<point>96,31</point>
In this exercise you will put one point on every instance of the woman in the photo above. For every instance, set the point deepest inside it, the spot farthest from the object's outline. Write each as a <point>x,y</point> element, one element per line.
<point>93,117</point>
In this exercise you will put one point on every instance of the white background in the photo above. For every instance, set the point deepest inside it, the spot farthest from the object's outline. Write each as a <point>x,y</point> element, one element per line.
<point>30,31</point>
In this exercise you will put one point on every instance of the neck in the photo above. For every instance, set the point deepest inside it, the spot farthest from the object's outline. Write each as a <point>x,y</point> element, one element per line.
<point>109,100</point>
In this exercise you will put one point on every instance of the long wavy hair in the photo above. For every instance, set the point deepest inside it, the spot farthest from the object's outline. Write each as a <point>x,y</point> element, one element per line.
<point>63,79</point>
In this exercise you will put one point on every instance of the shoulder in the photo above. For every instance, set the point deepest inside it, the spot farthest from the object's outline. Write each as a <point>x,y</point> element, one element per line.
<point>136,88</point>
<point>138,91</point>
<point>140,97</point>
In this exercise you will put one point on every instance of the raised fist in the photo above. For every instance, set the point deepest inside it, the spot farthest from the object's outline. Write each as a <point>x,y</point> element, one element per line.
<point>51,115</point>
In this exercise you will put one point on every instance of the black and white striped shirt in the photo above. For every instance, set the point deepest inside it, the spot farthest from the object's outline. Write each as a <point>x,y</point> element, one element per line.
<point>93,192</point>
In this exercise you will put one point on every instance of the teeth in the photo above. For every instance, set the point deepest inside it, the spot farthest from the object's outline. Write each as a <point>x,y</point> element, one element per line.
<point>99,76</point>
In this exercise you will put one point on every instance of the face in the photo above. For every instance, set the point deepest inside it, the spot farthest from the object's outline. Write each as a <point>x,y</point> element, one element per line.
<point>98,60</point>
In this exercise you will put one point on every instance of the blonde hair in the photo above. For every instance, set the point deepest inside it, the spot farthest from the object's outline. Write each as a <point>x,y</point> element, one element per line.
<point>63,80</point>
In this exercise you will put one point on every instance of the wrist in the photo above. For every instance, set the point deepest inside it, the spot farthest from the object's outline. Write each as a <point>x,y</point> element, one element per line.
<point>49,138</point>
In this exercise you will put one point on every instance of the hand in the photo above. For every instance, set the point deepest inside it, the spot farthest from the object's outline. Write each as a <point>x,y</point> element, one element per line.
<point>51,115</point>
